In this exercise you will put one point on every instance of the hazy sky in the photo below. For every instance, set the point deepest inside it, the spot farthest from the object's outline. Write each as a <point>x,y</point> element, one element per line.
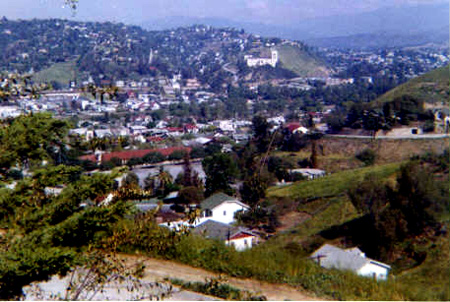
<point>137,11</point>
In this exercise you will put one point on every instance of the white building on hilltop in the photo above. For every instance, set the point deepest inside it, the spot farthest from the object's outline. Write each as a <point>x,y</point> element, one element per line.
<point>272,61</point>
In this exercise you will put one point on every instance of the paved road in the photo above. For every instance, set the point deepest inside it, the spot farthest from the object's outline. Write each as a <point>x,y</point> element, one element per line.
<point>412,136</point>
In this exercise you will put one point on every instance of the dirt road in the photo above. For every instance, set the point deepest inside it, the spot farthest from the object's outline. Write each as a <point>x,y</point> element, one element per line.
<point>159,269</point>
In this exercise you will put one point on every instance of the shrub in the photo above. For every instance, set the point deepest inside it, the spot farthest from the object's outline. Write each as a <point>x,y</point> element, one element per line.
<point>153,157</point>
<point>367,156</point>
<point>428,126</point>
<point>177,155</point>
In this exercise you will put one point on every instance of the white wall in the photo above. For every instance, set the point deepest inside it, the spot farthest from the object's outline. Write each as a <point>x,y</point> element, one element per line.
<point>223,213</point>
<point>241,243</point>
<point>370,269</point>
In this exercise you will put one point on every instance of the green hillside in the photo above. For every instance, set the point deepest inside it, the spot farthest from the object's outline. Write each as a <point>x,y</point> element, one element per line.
<point>61,73</point>
<point>301,62</point>
<point>432,87</point>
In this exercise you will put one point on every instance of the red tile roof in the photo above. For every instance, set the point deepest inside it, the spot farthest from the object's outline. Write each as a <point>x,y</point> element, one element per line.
<point>292,126</point>
<point>241,235</point>
<point>126,155</point>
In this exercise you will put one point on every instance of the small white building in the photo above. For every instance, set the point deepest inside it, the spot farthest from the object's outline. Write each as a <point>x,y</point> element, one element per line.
<point>220,207</point>
<point>240,238</point>
<point>352,259</point>
<point>309,173</point>
<point>272,61</point>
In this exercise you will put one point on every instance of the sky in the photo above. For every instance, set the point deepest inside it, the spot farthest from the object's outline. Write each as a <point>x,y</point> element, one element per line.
<point>281,12</point>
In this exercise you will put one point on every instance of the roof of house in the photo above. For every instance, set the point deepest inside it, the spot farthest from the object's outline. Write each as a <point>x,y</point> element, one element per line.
<point>214,200</point>
<point>126,155</point>
<point>222,231</point>
<point>349,259</point>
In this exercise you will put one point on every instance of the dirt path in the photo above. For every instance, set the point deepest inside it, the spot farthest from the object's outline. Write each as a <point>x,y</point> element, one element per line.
<point>159,269</point>
<point>292,219</point>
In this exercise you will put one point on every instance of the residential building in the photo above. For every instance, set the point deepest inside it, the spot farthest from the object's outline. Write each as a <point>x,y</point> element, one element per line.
<point>220,207</point>
<point>238,237</point>
<point>352,259</point>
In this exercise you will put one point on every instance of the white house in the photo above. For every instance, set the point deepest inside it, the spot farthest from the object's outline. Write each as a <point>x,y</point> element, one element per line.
<point>352,259</point>
<point>239,238</point>
<point>220,207</point>
<point>309,173</point>
<point>272,61</point>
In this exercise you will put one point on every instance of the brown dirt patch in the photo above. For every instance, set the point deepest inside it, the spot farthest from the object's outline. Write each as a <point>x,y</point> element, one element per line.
<point>292,219</point>
<point>158,269</point>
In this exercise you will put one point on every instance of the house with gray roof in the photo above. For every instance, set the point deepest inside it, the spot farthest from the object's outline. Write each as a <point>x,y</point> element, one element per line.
<point>352,259</point>
<point>238,237</point>
<point>220,207</point>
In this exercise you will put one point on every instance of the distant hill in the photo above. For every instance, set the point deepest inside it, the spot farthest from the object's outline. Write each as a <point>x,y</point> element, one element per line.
<point>400,25</point>
<point>301,62</point>
<point>62,50</point>
<point>432,87</point>
<point>60,73</point>
<point>438,37</point>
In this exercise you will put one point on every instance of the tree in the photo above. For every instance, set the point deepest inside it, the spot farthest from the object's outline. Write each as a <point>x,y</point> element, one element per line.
<point>190,195</point>
<point>253,190</point>
<point>131,180</point>
<point>367,156</point>
<point>32,138</point>
<point>261,135</point>
<point>220,170</point>
<point>187,171</point>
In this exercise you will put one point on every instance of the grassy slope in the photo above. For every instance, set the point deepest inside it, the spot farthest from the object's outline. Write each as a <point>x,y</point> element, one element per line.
<point>60,72</point>
<point>335,209</point>
<point>300,62</point>
<point>331,185</point>
<point>432,87</point>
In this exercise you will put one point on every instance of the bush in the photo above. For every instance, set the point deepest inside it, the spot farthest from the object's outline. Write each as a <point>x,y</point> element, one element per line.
<point>428,126</point>
<point>198,152</point>
<point>367,156</point>
<point>15,174</point>
<point>153,157</point>
<point>177,155</point>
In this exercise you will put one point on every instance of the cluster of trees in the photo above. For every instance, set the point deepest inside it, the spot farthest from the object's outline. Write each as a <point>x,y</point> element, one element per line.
<point>393,213</point>
<point>373,117</point>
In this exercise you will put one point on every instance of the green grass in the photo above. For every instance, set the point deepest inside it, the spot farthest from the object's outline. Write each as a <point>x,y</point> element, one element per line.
<point>430,280</point>
<point>432,87</point>
<point>300,62</point>
<point>330,185</point>
<point>62,73</point>
<point>339,211</point>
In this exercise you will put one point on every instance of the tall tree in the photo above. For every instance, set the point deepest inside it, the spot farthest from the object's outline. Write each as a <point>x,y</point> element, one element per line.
<point>220,170</point>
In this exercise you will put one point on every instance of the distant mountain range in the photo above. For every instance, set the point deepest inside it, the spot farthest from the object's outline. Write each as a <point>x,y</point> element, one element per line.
<point>398,26</point>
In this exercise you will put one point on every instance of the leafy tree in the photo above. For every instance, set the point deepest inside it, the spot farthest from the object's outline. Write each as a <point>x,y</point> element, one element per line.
<point>177,155</point>
<point>153,157</point>
<point>261,135</point>
<point>131,180</point>
<point>32,138</point>
<point>367,156</point>
<point>190,195</point>
<point>220,170</point>
<point>253,190</point>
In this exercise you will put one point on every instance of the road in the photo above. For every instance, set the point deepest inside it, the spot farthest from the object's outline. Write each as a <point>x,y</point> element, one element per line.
<point>411,136</point>
<point>159,269</point>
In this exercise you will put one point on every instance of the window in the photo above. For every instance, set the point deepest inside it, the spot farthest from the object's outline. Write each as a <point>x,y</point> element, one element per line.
<point>224,213</point>
<point>245,242</point>
<point>208,213</point>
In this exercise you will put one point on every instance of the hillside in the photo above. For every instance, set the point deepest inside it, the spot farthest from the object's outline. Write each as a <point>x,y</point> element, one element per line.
<point>301,61</point>
<point>59,73</point>
<point>322,212</point>
<point>432,87</point>
<point>111,51</point>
